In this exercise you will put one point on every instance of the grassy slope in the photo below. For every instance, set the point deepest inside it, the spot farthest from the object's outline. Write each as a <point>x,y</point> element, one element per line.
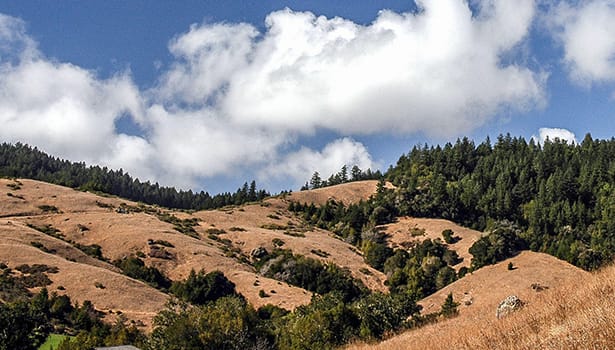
<point>120,235</point>
<point>544,322</point>
<point>575,312</point>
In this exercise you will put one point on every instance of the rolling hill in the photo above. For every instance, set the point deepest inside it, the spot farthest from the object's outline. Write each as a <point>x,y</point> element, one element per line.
<point>48,224</point>
<point>222,240</point>
<point>564,308</point>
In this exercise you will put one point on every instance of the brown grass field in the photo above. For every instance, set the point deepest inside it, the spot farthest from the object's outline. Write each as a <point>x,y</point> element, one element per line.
<point>88,218</point>
<point>576,311</point>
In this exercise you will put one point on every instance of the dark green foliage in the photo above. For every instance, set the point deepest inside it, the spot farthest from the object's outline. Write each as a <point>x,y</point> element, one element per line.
<point>376,253</point>
<point>26,323</point>
<point>310,274</point>
<point>23,161</point>
<point>93,250</point>
<point>15,196</point>
<point>12,288</point>
<point>325,323</point>
<point>380,313</point>
<point>215,231</point>
<point>161,242</point>
<point>227,323</point>
<point>448,236</point>
<point>321,253</point>
<point>277,242</point>
<point>36,268</point>
<point>48,230</point>
<point>200,288</point>
<point>328,322</point>
<point>16,186</point>
<point>349,222</point>
<point>449,307</point>
<point>185,226</point>
<point>559,195</point>
<point>134,267</point>
<point>42,247</point>
<point>501,243</point>
<point>23,326</point>
<point>421,270</point>
<point>49,208</point>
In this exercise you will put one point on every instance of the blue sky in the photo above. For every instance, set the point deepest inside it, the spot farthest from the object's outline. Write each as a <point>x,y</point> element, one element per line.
<point>209,94</point>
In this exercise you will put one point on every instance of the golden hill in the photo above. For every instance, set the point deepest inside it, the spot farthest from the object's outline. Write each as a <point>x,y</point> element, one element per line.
<point>565,308</point>
<point>225,239</point>
<point>346,193</point>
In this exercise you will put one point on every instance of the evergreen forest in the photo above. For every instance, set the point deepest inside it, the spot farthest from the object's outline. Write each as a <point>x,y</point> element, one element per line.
<point>23,161</point>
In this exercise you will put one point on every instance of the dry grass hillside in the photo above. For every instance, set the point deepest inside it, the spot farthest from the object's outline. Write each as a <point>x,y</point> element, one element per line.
<point>223,240</point>
<point>408,230</point>
<point>570,309</point>
<point>569,302</point>
<point>347,193</point>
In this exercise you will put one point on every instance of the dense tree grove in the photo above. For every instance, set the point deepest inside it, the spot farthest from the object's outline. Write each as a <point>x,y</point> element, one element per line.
<point>200,288</point>
<point>310,274</point>
<point>560,196</point>
<point>414,271</point>
<point>134,267</point>
<point>23,161</point>
<point>26,323</point>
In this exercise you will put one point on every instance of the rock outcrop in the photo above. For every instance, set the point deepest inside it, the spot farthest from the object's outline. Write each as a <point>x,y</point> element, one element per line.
<point>508,305</point>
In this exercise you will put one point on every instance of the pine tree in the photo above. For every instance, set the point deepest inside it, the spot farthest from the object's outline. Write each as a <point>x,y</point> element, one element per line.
<point>449,307</point>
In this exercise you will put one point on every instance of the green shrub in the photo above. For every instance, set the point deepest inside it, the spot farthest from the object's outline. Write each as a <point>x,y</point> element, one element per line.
<point>161,242</point>
<point>449,307</point>
<point>320,253</point>
<point>135,268</point>
<point>40,246</point>
<point>215,231</point>
<point>200,288</point>
<point>448,236</point>
<point>48,230</point>
<point>49,208</point>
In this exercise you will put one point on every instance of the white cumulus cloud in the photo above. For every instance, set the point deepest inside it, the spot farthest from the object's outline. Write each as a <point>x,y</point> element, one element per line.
<point>586,30</point>
<point>300,165</point>
<point>436,71</point>
<point>553,134</point>
<point>235,99</point>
